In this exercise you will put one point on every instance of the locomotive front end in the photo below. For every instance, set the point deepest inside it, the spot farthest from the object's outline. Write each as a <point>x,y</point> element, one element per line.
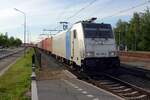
<point>100,48</point>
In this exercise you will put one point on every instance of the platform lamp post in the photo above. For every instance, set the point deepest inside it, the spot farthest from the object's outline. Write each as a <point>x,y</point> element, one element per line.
<point>24,29</point>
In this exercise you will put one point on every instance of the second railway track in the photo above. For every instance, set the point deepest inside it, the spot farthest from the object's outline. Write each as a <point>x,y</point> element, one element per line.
<point>10,53</point>
<point>119,87</point>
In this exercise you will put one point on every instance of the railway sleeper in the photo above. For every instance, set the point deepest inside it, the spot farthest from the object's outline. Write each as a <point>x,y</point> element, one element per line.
<point>126,92</point>
<point>107,83</point>
<point>123,90</point>
<point>132,94</point>
<point>140,97</point>
<point>129,94</point>
<point>116,88</point>
<point>113,85</point>
<point>105,80</point>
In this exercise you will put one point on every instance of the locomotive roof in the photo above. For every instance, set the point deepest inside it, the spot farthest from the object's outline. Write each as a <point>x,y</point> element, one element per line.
<point>86,22</point>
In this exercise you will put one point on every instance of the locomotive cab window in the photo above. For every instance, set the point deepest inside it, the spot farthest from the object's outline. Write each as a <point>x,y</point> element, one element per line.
<point>74,34</point>
<point>98,30</point>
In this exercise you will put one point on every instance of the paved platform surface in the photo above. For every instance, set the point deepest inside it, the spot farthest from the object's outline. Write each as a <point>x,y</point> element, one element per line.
<point>57,84</point>
<point>70,89</point>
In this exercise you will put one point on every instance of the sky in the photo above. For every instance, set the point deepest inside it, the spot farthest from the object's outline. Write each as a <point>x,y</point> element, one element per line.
<point>46,14</point>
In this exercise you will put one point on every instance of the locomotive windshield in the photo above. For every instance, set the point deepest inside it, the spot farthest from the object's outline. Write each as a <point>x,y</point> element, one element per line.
<point>92,30</point>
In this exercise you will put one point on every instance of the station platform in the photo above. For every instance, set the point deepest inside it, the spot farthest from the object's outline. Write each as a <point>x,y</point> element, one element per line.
<point>71,89</point>
<point>136,60</point>
<point>54,82</point>
<point>138,64</point>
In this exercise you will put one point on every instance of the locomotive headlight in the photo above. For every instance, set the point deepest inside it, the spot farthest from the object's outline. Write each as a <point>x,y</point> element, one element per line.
<point>112,53</point>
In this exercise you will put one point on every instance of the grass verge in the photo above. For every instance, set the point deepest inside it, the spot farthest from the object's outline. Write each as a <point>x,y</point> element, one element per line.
<point>16,81</point>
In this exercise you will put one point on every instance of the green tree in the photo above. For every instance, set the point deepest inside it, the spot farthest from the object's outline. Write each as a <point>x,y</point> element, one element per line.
<point>4,41</point>
<point>145,31</point>
<point>9,42</point>
<point>120,33</point>
<point>18,42</point>
<point>135,33</point>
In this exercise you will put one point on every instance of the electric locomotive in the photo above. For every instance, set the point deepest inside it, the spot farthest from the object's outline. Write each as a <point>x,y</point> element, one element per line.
<point>87,46</point>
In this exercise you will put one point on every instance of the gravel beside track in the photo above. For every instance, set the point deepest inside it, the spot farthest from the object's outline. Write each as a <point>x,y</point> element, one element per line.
<point>51,69</point>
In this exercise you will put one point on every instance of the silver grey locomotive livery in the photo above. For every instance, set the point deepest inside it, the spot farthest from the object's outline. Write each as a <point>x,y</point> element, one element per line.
<point>87,46</point>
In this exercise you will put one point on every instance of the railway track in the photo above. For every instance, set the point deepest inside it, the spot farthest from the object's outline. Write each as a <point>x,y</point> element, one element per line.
<point>119,87</point>
<point>116,86</point>
<point>10,54</point>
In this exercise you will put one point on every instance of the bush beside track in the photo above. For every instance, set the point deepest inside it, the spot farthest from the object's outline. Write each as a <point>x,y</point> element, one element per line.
<point>16,81</point>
